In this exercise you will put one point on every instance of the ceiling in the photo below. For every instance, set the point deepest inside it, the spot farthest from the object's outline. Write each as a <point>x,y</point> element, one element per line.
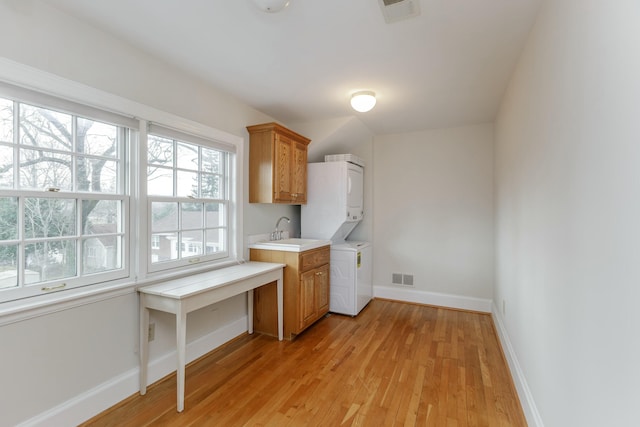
<point>447,67</point>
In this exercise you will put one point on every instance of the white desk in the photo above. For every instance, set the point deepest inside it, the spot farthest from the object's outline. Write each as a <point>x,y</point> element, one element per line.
<point>181,296</point>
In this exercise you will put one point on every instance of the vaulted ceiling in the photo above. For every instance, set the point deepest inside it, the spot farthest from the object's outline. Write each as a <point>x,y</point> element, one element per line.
<point>447,67</point>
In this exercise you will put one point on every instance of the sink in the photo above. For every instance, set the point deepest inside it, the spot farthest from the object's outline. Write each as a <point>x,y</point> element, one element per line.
<point>290,245</point>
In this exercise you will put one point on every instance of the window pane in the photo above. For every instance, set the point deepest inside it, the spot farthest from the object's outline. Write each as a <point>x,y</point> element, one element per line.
<point>6,120</point>
<point>96,138</point>
<point>215,240</point>
<point>187,184</point>
<point>8,219</point>
<point>211,160</point>
<point>45,128</point>
<point>50,260</point>
<point>97,175</point>
<point>188,156</point>
<point>197,172</point>
<point>215,215</point>
<point>41,169</point>
<point>101,216</point>
<point>6,166</point>
<point>8,266</point>
<point>192,216</point>
<point>192,243</point>
<point>160,181</point>
<point>211,186</point>
<point>166,247</point>
<point>49,217</point>
<point>164,216</point>
<point>160,151</point>
<point>102,254</point>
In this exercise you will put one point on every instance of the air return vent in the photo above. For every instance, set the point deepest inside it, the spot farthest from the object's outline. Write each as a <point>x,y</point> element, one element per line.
<point>397,10</point>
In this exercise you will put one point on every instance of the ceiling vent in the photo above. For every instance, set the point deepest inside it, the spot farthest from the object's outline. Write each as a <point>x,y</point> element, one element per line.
<point>397,10</point>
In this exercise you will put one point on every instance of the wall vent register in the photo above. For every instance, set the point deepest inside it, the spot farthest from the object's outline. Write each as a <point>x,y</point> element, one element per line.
<point>398,10</point>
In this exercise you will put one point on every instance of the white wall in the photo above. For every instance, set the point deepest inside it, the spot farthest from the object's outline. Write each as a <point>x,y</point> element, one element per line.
<point>568,213</point>
<point>71,362</point>
<point>433,215</point>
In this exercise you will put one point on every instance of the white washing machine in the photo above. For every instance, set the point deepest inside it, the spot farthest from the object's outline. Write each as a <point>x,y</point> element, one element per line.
<point>351,277</point>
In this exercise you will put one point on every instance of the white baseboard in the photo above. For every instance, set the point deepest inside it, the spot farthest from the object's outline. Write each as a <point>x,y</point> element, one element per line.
<point>524,393</point>
<point>96,400</point>
<point>433,298</point>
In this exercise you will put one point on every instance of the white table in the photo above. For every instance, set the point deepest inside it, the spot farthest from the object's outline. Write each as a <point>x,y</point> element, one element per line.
<point>181,296</point>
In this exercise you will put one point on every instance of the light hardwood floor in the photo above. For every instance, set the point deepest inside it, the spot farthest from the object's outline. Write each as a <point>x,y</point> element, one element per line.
<point>395,364</point>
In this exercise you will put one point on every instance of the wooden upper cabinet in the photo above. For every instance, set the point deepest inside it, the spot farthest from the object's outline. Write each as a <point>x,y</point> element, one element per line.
<point>277,165</point>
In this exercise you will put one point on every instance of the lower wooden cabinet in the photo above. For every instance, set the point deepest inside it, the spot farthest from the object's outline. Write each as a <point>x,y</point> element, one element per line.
<point>306,291</point>
<point>314,295</point>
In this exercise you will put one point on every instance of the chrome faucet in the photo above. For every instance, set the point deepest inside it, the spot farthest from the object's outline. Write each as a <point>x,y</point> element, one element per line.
<point>277,234</point>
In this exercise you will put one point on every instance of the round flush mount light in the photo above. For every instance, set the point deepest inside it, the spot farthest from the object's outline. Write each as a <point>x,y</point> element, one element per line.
<point>271,6</point>
<point>363,101</point>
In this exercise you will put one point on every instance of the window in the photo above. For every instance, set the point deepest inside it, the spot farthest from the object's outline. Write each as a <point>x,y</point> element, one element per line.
<point>75,181</point>
<point>188,196</point>
<point>64,199</point>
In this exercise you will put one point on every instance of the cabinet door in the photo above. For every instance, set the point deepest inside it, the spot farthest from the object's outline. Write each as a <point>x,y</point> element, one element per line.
<point>307,298</point>
<point>299,173</point>
<point>282,168</point>
<point>322,289</point>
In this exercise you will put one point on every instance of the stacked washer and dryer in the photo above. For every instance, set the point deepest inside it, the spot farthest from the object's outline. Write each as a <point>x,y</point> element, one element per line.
<point>335,196</point>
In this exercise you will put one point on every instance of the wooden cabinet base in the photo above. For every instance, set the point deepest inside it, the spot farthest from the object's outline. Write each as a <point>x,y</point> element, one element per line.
<point>306,291</point>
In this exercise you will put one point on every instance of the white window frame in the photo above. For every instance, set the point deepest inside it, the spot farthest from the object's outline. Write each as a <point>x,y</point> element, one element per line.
<point>127,130</point>
<point>229,201</point>
<point>14,74</point>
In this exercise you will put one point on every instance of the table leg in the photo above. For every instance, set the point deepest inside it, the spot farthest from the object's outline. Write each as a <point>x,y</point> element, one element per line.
<point>181,336</point>
<point>250,310</point>
<point>144,345</point>
<point>279,292</point>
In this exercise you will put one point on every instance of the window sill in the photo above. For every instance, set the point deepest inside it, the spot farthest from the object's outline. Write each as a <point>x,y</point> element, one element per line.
<point>28,308</point>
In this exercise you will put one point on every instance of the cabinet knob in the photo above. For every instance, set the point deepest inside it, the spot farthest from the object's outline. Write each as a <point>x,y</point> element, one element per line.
<point>318,273</point>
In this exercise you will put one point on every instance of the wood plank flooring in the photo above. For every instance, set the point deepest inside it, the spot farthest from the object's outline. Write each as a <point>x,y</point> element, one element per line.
<point>395,364</point>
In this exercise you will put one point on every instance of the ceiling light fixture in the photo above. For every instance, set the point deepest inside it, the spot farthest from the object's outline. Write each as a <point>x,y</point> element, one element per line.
<point>271,6</point>
<point>363,101</point>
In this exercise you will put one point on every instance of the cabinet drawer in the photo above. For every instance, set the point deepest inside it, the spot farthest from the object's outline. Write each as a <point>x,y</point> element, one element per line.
<point>314,258</point>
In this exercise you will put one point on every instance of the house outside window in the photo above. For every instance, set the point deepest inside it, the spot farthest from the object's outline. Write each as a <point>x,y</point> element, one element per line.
<point>155,241</point>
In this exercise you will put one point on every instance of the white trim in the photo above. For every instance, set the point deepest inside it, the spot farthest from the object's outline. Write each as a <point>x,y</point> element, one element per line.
<point>433,298</point>
<point>87,405</point>
<point>524,393</point>
<point>178,135</point>
<point>56,103</point>
<point>51,84</point>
